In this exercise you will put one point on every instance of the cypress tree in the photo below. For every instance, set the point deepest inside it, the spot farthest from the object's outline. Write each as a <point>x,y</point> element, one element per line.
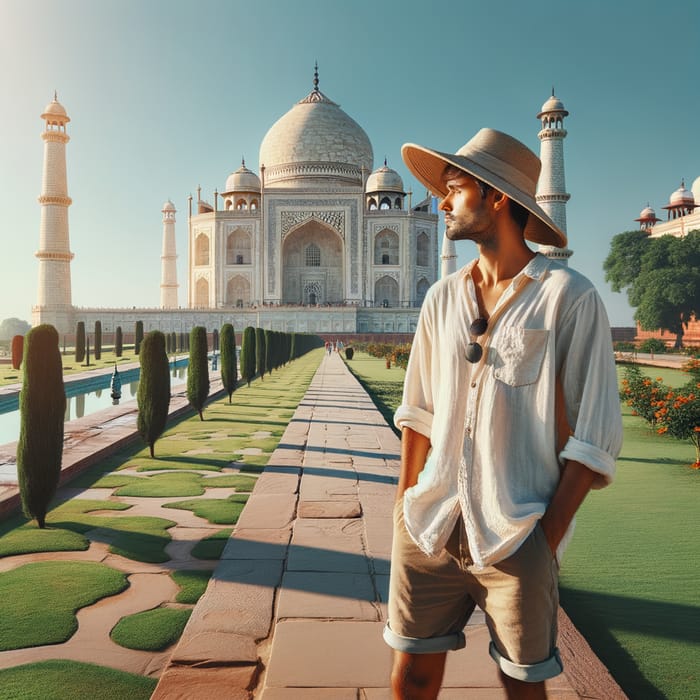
<point>168,344</point>
<point>80,342</point>
<point>198,370</point>
<point>293,347</point>
<point>138,337</point>
<point>98,340</point>
<point>248,354</point>
<point>269,351</point>
<point>173,341</point>
<point>153,396</point>
<point>87,352</point>
<point>118,342</point>
<point>229,374</point>
<point>42,408</point>
<point>215,340</point>
<point>17,351</point>
<point>260,352</point>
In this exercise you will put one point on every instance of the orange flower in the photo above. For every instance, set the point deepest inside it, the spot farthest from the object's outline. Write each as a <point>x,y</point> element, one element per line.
<point>662,430</point>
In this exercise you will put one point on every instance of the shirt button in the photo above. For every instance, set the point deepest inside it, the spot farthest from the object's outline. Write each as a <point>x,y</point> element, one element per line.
<point>473,385</point>
<point>469,430</point>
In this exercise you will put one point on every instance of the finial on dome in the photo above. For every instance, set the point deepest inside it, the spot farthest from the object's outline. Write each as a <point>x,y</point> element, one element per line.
<point>243,161</point>
<point>385,162</point>
<point>552,90</point>
<point>55,95</point>
<point>315,76</point>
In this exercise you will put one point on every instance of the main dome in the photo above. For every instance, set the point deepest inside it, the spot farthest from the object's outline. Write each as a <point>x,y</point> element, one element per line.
<point>315,142</point>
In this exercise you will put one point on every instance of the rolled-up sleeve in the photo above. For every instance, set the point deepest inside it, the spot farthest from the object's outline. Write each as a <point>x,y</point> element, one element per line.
<point>416,410</point>
<point>589,382</point>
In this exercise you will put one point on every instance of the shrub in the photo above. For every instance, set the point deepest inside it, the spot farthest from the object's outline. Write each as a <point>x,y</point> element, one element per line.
<point>17,350</point>
<point>198,370</point>
<point>624,346</point>
<point>260,354</point>
<point>98,340</point>
<point>118,342</point>
<point>349,352</point>
<point>42,407</point>
<point>248,354</point>
<point>138,337</point>
<point>652,345</point>
<point>692,367</point>
<point>229,372</point>
<point>153,396</point>
<point>80,342</point>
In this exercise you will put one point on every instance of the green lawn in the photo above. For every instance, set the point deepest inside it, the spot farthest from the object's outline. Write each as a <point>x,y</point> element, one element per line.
<point>151,630</point>
<point>59,680</point>
<point>629,580</point>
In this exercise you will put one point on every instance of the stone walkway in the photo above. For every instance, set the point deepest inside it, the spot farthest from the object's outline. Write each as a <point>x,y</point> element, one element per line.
<point>297,603</point>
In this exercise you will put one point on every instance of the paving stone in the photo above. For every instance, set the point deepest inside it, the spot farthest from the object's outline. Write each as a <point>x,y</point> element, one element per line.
<point>215,649</point>
<point>327,545</point>
<point>308,694</point>
<point>329,509</point>
<point>279,480</point>
<point>257,544</point>
<point>268,511</point>
<point>187,683</point>
<point>327,595</point>
<point>329,655</point>
<point>239,599</point>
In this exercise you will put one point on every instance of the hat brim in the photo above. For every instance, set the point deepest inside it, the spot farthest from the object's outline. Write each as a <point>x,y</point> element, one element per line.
<point>429,165</point>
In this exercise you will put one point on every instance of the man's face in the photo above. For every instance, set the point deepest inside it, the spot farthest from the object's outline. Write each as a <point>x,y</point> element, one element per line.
<point>467,214</point>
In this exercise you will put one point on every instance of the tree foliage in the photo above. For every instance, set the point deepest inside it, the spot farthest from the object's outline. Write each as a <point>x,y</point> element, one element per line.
<point>260,352</point>
<point>229,371</point>
<point>98,340</point>
<point>118,342</point>
<point>17,351</point>
<point>661,276</point>
<point>138,336</point>
<point>248,354</point>
<point>80,342</point>
<point>153,396</point>
<point>42,408</point>
<point>11,327</point>
<point>198,370</point>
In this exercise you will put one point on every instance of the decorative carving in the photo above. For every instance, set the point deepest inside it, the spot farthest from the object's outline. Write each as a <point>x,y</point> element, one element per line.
<point>395,275</point>
<point>334,219</point>
<point>376,228</point>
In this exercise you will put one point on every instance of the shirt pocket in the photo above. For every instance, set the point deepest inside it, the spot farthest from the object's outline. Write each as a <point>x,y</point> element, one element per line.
<point>518,355</point>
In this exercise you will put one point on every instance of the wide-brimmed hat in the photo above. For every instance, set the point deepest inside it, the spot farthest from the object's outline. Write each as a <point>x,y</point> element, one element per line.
<point>498,160</point>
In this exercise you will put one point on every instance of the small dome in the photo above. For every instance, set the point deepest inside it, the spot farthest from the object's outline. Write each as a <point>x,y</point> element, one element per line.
<point>681,197</point>
<point>55,112</point>
<point>647,214</point>
<point>384,179</point>
<point>553,104</point>
<point>243,180</point>
<point>168,206</point>
<point>696,189</point>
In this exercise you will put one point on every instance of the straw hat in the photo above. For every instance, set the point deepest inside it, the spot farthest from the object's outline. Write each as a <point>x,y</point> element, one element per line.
<point>498,160</point>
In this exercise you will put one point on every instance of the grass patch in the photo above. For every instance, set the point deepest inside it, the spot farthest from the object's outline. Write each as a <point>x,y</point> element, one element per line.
<point>40,600</point>
<point>192,582</point>
<point>212,547</point>
<point>385,386</point>
<point>58,680</point>
<point>219,511</point>
<point>151,630</point>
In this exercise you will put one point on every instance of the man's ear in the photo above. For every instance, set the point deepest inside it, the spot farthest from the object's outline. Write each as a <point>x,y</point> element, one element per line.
<point>500,200</point>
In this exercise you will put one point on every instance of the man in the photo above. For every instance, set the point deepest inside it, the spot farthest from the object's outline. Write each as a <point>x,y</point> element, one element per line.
<point>510,414</point>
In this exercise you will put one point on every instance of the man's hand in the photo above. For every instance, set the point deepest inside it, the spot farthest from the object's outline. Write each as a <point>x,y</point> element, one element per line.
<point>414,451</point>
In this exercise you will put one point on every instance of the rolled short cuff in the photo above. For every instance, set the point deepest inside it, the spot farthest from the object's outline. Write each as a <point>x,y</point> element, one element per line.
<point>530,673</point>
<point>430,645</point>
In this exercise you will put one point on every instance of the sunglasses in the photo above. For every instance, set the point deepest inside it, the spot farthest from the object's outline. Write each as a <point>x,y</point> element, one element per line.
<point>474,350</point>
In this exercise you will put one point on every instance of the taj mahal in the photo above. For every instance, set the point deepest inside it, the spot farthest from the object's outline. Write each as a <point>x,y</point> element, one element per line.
<point>316,241</point>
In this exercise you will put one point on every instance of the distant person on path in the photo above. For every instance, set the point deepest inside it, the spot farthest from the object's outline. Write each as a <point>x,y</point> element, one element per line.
<point>510,415</point>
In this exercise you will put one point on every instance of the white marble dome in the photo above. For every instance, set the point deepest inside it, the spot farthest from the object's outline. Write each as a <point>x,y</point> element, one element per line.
<point>681,197</point>
<point>168,206</point>
<point>315,141</point>
<point>384,179</point>
<point>646,214</point>
<point>553,104</point>
<point>243,180</point>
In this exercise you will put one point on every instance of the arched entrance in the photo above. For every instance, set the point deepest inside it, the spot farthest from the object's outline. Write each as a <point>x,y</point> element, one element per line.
<point>312,265</point>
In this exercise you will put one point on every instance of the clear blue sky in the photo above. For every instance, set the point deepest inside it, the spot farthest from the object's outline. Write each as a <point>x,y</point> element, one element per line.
<point>164,96</point>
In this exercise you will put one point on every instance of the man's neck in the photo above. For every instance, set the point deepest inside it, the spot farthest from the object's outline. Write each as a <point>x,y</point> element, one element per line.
<point>498,266</point>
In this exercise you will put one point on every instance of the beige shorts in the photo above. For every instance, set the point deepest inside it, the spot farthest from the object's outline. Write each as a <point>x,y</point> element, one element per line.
<point>432,598</point>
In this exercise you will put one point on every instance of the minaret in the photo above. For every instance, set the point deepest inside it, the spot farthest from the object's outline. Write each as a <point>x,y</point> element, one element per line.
<point>551,187</point>
<point>168,275</point>
<point>54,304</point>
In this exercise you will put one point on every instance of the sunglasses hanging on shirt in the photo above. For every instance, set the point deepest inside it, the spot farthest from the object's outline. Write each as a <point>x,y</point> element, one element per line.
<point>474,350</point>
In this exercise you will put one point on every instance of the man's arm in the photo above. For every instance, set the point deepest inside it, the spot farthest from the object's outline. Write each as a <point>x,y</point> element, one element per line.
<point>414,451</point>
<point>574,485</point>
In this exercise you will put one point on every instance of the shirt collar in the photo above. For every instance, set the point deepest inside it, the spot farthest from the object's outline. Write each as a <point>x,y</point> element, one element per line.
<point>535,269</point>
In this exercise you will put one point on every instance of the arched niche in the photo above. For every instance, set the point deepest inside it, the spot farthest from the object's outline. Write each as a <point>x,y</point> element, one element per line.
<point>239,247</point>
<point>386,292</point>
<point>201,293</point>
<point>238,292</point>
<point>201,249</point>
<point>386,248</point>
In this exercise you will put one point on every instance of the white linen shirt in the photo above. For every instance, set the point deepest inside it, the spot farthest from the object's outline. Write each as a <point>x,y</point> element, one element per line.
<point>492,425</point>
